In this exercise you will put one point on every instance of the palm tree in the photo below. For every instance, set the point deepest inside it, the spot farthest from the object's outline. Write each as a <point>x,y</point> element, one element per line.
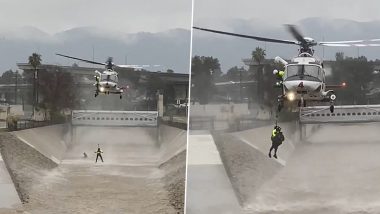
<point>258,55</point>
<point>35,61</point>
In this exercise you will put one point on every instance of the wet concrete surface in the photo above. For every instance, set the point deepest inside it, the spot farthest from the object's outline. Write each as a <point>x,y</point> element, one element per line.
<point>129,180</point>
<point>335,171</point>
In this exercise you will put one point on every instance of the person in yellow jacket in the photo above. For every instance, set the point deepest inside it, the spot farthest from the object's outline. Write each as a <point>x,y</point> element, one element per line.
<point>277,139</point>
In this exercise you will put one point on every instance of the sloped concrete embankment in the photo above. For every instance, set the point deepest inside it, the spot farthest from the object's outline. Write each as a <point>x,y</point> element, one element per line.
<point>245,157</point>
<point>26,162</point>
<point>173,163</point>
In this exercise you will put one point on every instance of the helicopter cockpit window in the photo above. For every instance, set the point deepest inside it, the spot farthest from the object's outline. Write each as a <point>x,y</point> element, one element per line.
<point>104,77</point>
<point>304,72</point>
<point>112,78</point>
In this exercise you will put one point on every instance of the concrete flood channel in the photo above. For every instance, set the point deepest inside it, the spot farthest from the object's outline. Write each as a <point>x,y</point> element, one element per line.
<point>143,169</point>
<point>335,169</point>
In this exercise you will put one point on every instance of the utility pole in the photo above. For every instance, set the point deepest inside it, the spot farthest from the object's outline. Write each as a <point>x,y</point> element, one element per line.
<point>34,88</point>
<point>93,55</point>
<point>241,98</point>
<point>358,52</point>
<point>37,86</point>
<point>323,49</point>
<point>16,87</point>
<point>259,82</point>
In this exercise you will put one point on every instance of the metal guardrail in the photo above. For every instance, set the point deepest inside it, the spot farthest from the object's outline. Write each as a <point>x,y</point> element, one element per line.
<point>241,123</point>
<point>114,118</point>
<point>29,124</point>
<point>342,114</point>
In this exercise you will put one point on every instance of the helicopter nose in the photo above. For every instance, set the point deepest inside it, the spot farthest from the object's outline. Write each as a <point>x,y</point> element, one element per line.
<point>301,86</point>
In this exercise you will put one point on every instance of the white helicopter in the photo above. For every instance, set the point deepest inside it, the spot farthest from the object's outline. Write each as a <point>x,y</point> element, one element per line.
<point>106,82</point>
<point>304,80</point>
<point>304,76</point>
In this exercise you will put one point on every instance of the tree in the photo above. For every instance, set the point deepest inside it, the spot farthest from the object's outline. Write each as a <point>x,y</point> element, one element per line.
<point>170,71</point>
<point>58,91</point>
<point>154,84</point>
<point>357,73</point>
<point>236,74</point>
<point>258,56</point>
<point>202,68</point>
<point>35,61</point>
<point>10,77</point>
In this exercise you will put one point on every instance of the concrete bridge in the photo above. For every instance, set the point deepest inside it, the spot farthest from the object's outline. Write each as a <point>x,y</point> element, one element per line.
<point>114,118</point>
<point>342,114</point>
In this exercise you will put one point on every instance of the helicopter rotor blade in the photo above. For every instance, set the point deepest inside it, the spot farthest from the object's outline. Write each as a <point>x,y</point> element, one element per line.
<point>137,66</point>
<point>350,45</point>
<point>353,43</point>
<point>296,33</point>
<point>342,42</point>
<point>335,45</point>
<point>264,39</point>
<point>83,60</point>
<point>131,66</point>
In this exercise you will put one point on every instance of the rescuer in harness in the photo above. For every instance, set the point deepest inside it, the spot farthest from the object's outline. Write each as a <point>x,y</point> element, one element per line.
<point>99,154</point>
<point>277,139</point>
<point>280,77</point>
<point>97,81</point>
<point>279,83</point>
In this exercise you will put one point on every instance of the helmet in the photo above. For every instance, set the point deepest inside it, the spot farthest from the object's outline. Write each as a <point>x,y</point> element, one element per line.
<point>278,128</point>
<point>281,73</point>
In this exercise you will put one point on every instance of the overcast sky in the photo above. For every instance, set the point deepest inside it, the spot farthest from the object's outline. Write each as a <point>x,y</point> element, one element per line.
<point>123,15</point>
<point>278,12</point>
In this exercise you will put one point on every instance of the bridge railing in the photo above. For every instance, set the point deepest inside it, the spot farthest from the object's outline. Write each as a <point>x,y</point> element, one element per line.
<point>342,114</point>
<point>114,118</point>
